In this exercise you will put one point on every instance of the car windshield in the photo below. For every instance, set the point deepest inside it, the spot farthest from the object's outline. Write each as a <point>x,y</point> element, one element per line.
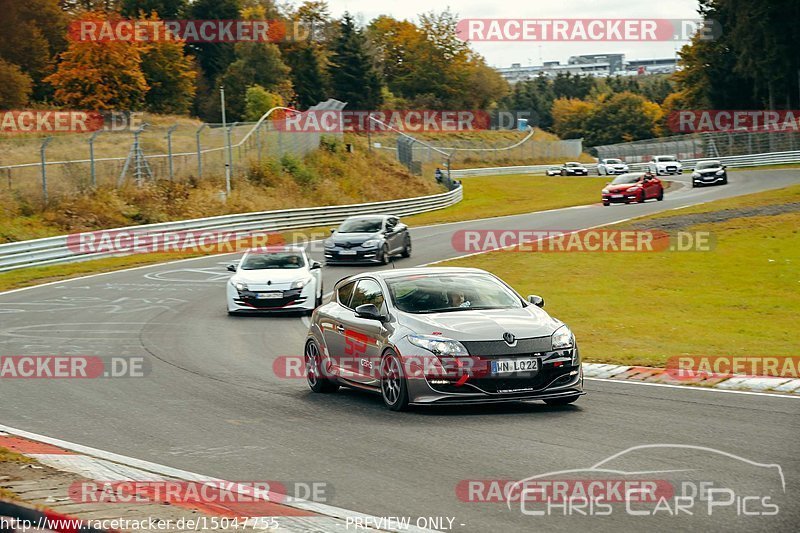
<point>573,164</point>
<point>443,293</point>
<point>361,225</point>
<point>274,260</point>
<point>613,161</point>
<point>626,178</point>
<point>707,164</point>
<point>665,158</point>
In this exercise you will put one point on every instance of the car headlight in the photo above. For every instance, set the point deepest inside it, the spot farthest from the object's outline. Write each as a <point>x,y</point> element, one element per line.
<point>329,244</point>
<point>240,286</point>
<point>300,283</point>
<point>695,174</point>
<point>605,191</point>
<point>563,338</point>
<point>438,345</point>
<point>720,172</point>
<point>372,243</point>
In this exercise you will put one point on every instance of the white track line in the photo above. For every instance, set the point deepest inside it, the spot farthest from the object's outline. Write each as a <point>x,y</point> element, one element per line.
<point>687,387</point>
<point>147,466</point>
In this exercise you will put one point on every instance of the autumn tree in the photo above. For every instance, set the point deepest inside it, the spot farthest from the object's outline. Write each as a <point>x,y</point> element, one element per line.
<point>571,117</point>
<point>99,75</point>
<point>169,73</point>
<point>16,87</point>
<point>33,33</point>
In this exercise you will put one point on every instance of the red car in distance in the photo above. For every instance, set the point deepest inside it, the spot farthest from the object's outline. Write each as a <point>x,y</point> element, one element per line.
<point>633,187</point>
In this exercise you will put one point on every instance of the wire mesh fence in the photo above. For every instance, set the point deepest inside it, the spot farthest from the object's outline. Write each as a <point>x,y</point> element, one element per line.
<point>702,145</point>
<point>423,154</point>
<point>38,167</point>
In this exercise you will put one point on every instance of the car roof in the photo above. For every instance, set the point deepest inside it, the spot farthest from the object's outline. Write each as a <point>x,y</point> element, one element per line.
<point>367,217</point>
<point>417,271</point>
<point>276,249</point>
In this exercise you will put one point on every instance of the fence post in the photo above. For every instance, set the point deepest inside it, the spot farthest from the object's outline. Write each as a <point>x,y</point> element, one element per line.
<point>91,157</point>
<point>199,153</point>
<point>169,150</point>
<point>44,167</point>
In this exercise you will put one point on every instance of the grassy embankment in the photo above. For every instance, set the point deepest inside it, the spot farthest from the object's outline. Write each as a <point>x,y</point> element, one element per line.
<point>740,299</point>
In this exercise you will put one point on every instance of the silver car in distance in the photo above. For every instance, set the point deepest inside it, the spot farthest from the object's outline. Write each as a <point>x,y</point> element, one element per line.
<point>424,336</point>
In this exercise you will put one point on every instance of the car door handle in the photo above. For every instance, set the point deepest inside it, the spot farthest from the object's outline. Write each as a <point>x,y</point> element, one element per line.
<point>340,328</point>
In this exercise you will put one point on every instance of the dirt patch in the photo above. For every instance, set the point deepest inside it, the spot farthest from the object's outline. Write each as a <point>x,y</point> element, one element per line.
<point>681,222</point>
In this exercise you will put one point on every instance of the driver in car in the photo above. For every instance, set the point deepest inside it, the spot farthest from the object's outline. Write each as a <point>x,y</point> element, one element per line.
<point>457,299</point>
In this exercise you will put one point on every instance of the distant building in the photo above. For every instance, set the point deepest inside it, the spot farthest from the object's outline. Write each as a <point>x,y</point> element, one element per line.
<point>599,65</point>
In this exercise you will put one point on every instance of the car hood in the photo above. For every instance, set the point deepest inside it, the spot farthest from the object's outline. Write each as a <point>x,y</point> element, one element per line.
<point>273,275</point>
<point>664,163</point>
<point>704,171</point>
<point>484,325</point>
<point>352,238</point>
<point>621,187</point>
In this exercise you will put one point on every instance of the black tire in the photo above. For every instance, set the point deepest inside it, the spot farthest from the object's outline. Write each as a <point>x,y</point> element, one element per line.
<point>694,185</point>
<point>394,387</point>
<point>660,196</point>
<point>556,402</point>
<point>385,254</point>
<point>407,248</point>
<point>315,377</point>
<point>606,204</point>
<point>563,172</point>
<point>725,181</point>
<point>643,198</point>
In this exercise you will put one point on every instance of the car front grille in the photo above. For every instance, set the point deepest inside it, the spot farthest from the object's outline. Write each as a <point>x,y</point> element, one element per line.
<point>499,348</point>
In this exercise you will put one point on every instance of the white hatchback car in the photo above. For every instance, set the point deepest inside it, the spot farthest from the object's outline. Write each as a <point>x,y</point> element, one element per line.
<point>661,165</point>
<point>279,279</point>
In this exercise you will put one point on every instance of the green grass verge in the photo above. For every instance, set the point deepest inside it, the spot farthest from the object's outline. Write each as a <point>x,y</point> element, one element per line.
<point>741,298</point>
<point>483,197</point>
<point>492,196</point>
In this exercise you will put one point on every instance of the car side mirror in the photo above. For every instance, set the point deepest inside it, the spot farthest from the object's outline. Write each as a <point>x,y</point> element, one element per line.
<point>231,268</point>
<point>333,230</point>
<point>369,311</point>
<point>538,301</point>
<point>724,167</point>
<point>315,265</point>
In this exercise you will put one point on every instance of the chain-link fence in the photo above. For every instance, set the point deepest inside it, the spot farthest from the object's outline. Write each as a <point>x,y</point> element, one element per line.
<point>180,149</point>
<point>492,148</point>
<point>702,145</point>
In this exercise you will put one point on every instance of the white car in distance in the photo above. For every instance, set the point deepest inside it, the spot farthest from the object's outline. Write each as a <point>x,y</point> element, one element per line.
<point>611,166</point>
<point>270,280</point>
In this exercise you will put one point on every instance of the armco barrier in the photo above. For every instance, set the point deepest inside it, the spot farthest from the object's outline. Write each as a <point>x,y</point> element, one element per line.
<point>753,160</point>
<point>54,250</point>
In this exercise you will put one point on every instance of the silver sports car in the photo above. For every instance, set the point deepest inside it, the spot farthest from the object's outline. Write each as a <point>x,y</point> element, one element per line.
<point>424,336</point>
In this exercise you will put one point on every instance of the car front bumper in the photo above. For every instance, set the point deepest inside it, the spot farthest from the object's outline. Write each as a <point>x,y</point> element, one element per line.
<point>556,378</point>
<point>334,255</point>
<point>709,180</point>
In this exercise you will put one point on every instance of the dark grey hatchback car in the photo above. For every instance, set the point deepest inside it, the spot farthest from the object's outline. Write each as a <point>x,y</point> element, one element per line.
<point>368,239</point>
<point>424,336</point>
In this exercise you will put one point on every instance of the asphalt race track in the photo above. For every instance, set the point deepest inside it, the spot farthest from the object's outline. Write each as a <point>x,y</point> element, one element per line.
<point>211,402</point>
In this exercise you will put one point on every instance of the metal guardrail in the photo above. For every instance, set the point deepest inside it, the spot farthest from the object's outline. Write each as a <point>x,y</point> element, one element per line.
<point>753,160</point>
<point>54,250</point>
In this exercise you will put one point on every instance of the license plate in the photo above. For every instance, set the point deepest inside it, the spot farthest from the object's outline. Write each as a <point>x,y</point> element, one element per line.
<point>347,252</point>
<point>505,366</point>
<point>616,196</point>
<point>272,295</point>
